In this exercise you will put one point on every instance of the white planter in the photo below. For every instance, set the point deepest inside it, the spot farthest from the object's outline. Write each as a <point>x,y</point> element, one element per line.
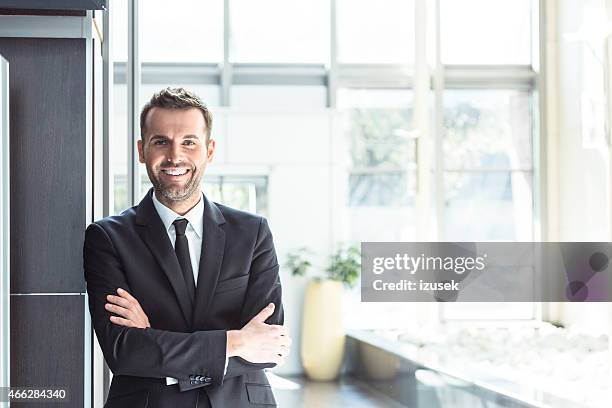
<point>323,336</point>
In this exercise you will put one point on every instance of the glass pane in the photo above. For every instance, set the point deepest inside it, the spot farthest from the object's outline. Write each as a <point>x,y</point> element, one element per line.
<point>119,29</point>
<point>486,31</point>
<point>381,182</point>
<point>375,32</point>
<point>248,193</point>
<point>283,97</point>
<point>483,206</point>
<point>487,129</point>
<point>279,31</point>
<point>379,127</point>
<point>382,190</point>
<point>185,31</point>
<point>118,145</point>
<point>145,182</point>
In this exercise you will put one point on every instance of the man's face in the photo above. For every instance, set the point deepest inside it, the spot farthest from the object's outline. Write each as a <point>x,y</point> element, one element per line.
<point>175,152</point>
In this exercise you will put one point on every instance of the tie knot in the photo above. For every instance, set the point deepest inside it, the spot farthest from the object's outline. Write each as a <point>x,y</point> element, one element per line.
<point>180,225</point>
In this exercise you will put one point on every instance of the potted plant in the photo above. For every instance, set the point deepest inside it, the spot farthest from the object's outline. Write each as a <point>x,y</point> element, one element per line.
<point>323,339</point>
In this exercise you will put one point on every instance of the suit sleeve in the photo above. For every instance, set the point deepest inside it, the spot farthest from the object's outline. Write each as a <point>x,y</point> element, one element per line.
<point>145,352</point>
<point>264,288</point>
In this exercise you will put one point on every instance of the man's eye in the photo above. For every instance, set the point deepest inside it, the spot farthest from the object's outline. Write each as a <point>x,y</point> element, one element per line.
<point>159,142</point>
<point>188,142</point>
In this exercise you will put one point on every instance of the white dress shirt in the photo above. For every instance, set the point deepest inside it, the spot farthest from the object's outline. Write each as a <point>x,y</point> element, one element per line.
<point>194,233</point>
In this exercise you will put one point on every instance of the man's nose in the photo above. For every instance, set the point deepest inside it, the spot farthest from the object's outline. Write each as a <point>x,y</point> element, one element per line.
<point>174,153</point>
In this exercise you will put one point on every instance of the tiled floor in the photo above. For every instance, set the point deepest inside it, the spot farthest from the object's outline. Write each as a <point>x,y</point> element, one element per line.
<point>297,392</point>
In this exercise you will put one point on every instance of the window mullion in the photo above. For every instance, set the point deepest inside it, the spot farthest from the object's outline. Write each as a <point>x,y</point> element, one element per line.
<point>421,121</point>
<point>438,165</point>
<point>226,67</point>
<point>133,90</point>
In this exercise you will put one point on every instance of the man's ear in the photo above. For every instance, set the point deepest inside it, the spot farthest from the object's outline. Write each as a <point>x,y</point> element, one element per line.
<point>210,150</point>
<point>140,151</point>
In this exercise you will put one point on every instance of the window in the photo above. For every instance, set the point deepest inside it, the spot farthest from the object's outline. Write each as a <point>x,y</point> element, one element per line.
<point>119,27</point>
<point>247,193</point>
<point>119,150</point>
<point>287,31</point>
<point>486,31</point>
<point>118,143</point>
<point>382,170</point>
<point>375,32</point>
<point>382,151</point>
<point>488,169</point>
<point>489,128</point>
<point>189,30</point>
<point>488,181</point>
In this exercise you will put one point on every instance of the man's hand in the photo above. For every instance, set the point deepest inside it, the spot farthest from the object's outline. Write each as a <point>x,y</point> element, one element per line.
<point>258,342</point>
<point>129,310</point>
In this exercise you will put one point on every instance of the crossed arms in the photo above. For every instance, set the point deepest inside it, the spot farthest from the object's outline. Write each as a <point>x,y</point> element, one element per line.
<point>131,347</point>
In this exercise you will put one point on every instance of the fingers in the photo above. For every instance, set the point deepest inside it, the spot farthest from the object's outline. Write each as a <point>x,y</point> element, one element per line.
<point>125,294</point>
<point>122,322</point>
<point>121,311</point>
<point>126,300</point>
<point>121,305</point>
<point>119,301</point>
<point>264,313</point>
<point>126,306</point>
<point>129,317</point>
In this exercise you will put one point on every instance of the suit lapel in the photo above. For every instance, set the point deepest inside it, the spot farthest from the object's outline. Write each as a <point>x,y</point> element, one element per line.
<point>152,232</point>
<point>211,258</point>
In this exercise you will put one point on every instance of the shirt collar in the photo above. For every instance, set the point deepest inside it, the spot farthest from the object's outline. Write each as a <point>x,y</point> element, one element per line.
<point>195,216</point>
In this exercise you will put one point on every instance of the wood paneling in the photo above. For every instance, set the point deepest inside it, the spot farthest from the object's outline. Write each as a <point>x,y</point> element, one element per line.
<point>47,344</point>
<point>47,95</point>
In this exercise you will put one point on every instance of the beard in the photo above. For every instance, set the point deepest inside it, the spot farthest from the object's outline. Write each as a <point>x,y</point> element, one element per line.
<point>173,191</point>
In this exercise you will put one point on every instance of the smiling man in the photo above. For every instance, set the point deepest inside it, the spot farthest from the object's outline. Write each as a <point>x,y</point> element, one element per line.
<point>184,293</point>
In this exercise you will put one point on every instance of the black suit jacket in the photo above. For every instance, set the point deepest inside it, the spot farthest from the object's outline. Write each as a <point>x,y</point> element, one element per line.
<point>238,276</point>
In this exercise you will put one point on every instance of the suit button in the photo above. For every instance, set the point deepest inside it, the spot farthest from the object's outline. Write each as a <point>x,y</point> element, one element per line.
<point>199,377</point>
<point>192,381</point>
<point>207,379</point>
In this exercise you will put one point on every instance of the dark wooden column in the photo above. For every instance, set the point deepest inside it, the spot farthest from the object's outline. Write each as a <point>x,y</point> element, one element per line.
<point>48,212</point>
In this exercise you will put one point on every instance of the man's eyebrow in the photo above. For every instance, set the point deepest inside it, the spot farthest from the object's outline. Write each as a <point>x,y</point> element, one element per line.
<point>164,137</point>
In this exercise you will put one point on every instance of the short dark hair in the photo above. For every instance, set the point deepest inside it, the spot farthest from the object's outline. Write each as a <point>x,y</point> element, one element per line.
<point>176,98</point>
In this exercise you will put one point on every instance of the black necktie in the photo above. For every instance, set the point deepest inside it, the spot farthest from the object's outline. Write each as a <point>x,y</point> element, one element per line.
<point>181,247</point>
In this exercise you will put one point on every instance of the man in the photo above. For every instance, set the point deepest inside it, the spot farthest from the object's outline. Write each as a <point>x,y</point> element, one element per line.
<point>184,293</point>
